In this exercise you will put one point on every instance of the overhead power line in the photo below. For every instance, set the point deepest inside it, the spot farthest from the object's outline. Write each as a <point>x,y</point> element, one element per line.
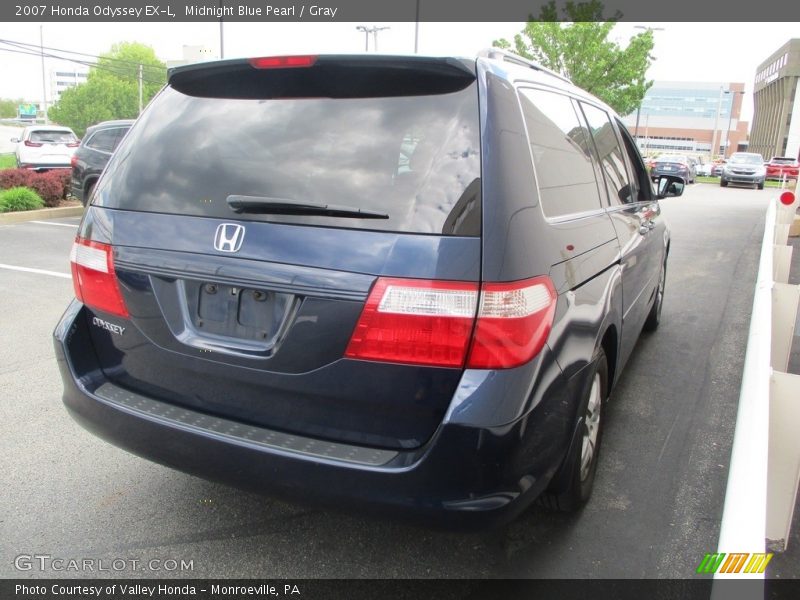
<point>38,48</point>
<point>132,75</point>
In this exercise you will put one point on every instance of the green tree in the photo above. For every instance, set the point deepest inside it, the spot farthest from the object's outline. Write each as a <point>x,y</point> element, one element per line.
<point>8,108</point>
<point>580,50</point>
<point>111,90</point>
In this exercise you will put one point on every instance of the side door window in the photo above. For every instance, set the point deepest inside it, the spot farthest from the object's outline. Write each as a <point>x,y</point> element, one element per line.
<point>612,159</point>
<point>638,171</point>
<point>119,133</point>
<point>562,155</point>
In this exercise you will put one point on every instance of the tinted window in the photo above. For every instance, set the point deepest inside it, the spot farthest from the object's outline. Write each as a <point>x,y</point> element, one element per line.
<point>610,154</point>
<point>561,153</point>
<point>415,158</point>
<point>641,180</point>
<point>103,140</point>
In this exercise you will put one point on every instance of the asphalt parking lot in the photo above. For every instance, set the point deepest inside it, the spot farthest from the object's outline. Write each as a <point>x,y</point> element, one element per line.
<point>659,490</point>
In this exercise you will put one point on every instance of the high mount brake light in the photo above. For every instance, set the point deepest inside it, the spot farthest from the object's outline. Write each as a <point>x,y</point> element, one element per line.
<point>454,324</point>
<point>283,62</point>
<point>94,278</point>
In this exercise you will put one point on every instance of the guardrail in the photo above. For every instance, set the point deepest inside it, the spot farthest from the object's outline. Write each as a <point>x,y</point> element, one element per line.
<point>765,461</point>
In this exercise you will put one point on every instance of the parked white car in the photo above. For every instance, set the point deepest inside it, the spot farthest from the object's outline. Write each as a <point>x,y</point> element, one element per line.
<point>42,147</point>
<point>704,170</point>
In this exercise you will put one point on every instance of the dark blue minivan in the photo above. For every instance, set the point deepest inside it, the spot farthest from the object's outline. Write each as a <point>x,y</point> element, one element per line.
<point>383,282</point>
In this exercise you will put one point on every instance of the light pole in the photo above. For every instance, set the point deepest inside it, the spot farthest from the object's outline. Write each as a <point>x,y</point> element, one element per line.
<point>639,108</point>
<point>374,31</point>
<point>714,145</point>
<point>44,85</point>
<point>730,118</point>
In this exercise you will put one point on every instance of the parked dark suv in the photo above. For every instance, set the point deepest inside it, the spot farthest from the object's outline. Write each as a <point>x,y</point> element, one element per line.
<point>405,283</point>
<point>93,154</point>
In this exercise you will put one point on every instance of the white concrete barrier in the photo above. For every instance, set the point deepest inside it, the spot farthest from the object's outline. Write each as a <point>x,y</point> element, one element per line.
<point>765,460</point>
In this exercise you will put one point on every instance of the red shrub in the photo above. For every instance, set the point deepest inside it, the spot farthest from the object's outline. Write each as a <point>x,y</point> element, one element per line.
<point>10,178</point>
<point>52,186</point>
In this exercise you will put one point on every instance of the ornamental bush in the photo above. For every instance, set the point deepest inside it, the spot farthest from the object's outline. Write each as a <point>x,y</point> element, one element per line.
<point>19,198</point>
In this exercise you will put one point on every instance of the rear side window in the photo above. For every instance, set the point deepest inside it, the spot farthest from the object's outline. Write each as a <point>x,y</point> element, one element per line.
<point>561,153</point>
<point>415,158</point>
<point>104,140</point>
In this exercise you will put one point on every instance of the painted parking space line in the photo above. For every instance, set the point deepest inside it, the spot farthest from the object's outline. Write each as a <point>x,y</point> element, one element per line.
<point>38,271</point>
<point>56,224</point>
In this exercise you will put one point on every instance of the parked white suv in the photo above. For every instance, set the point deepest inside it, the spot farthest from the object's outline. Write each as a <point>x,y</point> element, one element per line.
<point>43,147</point>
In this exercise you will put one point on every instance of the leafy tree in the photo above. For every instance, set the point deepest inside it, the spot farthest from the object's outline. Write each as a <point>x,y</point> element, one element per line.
<point>111,90</point>
<point>581,50</point>
<point>8,108</point>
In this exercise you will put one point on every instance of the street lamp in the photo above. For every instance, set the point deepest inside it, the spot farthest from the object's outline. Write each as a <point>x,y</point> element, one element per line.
<point>730,118</point>
<point>639,108</point>
<point>374,31</point>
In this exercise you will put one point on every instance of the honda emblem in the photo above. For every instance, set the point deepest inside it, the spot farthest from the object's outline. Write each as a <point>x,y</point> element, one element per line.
<point>229,237</point>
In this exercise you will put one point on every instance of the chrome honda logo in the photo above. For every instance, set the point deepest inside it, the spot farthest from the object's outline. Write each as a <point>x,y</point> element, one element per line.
<point>229,237</point>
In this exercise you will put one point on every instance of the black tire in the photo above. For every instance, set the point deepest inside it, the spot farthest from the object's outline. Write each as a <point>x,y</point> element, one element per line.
<point>761,185</point>
<point>654,316</point>
<point>574,486</point>
<point>723,183</point>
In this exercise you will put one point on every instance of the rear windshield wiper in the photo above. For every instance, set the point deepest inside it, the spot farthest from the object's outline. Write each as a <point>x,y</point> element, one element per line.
<point>283,206</point>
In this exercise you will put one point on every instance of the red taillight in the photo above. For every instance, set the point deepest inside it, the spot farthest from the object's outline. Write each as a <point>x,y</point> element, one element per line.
<point>31,144</point>
<point>434,323</point>
<point>514,321</point>
<point>94,278</point>
<point>282,62</point>
<point>73,161</point>
<point>416,322</point>
<point>74,144</point>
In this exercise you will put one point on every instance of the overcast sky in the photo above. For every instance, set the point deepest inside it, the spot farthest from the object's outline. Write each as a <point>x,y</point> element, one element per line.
<point>711,52</point>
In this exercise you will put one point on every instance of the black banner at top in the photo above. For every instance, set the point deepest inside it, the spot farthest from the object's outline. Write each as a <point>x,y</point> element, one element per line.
<point>386,10</point>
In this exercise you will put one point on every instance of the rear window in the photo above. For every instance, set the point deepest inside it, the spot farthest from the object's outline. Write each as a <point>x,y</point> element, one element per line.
<point>53,137</point>
<point>415,158</point>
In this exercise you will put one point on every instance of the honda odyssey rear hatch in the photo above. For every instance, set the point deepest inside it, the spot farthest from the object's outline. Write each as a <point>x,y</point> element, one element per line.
<point>293,243</point>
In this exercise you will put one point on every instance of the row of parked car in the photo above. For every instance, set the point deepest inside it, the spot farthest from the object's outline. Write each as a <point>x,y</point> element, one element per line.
<point>45,147</point>
<point>742,168</point>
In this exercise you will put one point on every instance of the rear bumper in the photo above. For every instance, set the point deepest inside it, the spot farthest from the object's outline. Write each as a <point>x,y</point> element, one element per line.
<point>465,475</point>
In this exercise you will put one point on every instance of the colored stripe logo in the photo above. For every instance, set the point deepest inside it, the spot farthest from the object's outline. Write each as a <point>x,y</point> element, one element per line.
<point>742,562</point>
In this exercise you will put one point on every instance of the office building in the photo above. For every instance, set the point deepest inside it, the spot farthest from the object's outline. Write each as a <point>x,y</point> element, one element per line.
<point>690,118</point>
<point>776,116</point>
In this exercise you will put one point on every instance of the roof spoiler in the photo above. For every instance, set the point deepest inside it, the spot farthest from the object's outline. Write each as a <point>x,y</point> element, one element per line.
<point>505,55</point>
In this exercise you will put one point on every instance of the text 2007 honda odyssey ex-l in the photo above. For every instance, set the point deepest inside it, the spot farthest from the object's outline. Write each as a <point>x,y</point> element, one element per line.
<point>393,282</point>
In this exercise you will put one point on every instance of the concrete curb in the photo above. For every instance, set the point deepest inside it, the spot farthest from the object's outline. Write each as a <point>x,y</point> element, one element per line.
<point>44,213</point>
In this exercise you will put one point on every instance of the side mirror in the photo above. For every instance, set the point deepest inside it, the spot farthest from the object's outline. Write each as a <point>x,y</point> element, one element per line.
<point>15,140</point>
<point>669,185</point>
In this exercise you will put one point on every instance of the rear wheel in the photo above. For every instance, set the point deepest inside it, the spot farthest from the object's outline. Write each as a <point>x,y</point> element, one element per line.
<point>581,464</point>
<point>723,183</point>
<point>654,317</point>
<point>761,185</point>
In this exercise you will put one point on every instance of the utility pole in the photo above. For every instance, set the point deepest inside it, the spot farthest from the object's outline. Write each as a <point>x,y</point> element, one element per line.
<point>44,84</point>
<point>221,39</point>
<point>140,89</point>
<point>366,36</point>
<point>416,30</point>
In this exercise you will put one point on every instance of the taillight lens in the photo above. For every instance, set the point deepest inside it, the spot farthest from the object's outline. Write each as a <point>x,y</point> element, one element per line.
<point>31,144</point>
<point>73,144</point>
<point>283,62</point>
<point>514,321</point>
<point>94,278</point>
<point>433,323</point>
<point>73,161</point>
<point>416,322</point>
